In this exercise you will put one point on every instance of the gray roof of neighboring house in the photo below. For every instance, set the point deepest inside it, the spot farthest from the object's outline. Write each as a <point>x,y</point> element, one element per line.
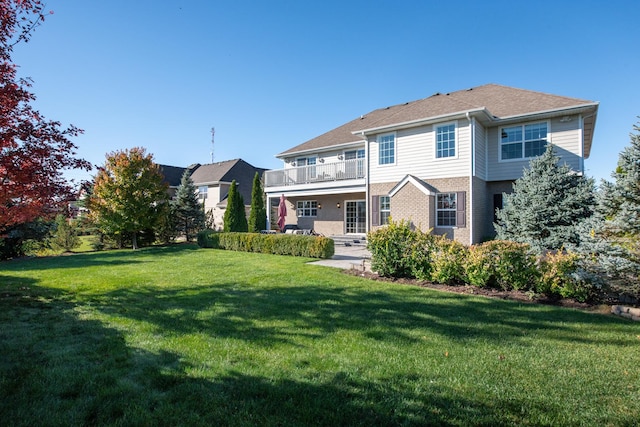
<point>172,174</point>
<point>227,171</point>
<point>495,101</point>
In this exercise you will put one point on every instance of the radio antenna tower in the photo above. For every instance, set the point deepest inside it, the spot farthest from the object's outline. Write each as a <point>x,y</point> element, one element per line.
<point>213,134</point>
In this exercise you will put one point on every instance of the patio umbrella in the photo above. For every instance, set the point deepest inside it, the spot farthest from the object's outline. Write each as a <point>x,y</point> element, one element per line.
<point>282,212</point>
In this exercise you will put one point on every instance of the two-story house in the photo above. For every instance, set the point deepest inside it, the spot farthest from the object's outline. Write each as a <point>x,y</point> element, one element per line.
<point>213,181</point>
<point>441,162</point>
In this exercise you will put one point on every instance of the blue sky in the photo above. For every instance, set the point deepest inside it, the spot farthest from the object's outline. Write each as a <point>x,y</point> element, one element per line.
<point>271,75</point>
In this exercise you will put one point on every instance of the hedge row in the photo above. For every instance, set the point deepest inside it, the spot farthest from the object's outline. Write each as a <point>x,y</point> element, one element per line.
<point>278,244</point>
<point>399,251</point>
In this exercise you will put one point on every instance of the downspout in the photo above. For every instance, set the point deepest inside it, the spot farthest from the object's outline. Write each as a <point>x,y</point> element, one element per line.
<point>366,182</point>
<point>472,173</point>
<point>581,126</point>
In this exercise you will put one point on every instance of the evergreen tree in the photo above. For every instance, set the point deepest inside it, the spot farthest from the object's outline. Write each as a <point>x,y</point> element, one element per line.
<point>610,240</point>
<point>235,219</point>
<point>64,235</point>
<point>186,207</point>
<point>258,214</point>
<point>547,204</point>
<point>621,199</point>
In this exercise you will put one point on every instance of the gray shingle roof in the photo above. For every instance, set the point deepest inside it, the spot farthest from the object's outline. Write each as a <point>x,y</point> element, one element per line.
<point>227,171</point>
<point>498,101</point>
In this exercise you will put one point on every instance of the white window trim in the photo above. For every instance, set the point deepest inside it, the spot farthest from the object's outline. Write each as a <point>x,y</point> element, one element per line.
<point>310,208</point>
<point>446,210</point>
<point>395,150</point>
<point>380,210</point>
<point>435,142</point>
<point>521,159</point>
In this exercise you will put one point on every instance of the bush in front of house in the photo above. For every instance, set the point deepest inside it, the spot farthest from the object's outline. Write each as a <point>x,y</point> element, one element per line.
<point>392,249</point>
<point>399,251</point>
<point>278,244</point>
<point>501,264</point>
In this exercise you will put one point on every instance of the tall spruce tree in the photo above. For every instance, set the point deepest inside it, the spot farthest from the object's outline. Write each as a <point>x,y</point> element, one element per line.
<point>258,214</point>
<point>610,240</point>
<point>188,212</point>
<point>547,204</point>
<point>235,218</point>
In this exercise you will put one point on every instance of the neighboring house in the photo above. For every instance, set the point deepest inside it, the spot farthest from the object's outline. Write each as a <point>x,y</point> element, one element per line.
<point>442,162</point>
<point>173,176</point>
<point>213,182</point>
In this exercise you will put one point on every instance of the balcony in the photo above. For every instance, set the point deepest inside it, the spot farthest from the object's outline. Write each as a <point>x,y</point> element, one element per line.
<point>347,170</point>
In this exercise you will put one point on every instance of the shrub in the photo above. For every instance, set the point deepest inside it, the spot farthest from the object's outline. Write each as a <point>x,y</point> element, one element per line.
<point>503,264</point>
<point>448,259</point>
<point>479,266</point>
<point>561,275</point>
<point>279,244</point>
<point>391,248</point>
<point>421,257</point>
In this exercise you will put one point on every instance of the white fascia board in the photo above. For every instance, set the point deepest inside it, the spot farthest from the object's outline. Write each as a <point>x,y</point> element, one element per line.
<point>413,180</point>
<point>319,192</point>
<point>319,150</point>
<point>576,109</point>
<point>198,184</point>
<point>419,122</point>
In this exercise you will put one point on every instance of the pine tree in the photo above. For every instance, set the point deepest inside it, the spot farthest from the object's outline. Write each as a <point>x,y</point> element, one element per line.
<point>258,214</point>
<point>546,205</point>
<point>187,210</point>
<point>610,240</point>
<point>64,235</point>
<point>235,219</point>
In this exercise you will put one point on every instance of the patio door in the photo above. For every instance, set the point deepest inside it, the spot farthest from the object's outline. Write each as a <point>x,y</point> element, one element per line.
<point>356,217</point>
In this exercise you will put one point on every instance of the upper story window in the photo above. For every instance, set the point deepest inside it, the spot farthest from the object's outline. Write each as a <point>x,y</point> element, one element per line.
<point>523,142</point>
<point>307,208</point>
<point>385,209</point>
<point>306,161</point>
<point>354,154</point>
<point>446,141</point>
<point>386,149</point>
<point>202,192</point>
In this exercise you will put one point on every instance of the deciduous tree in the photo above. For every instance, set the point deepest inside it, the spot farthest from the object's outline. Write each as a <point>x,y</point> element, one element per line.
<point>258,214</point>
<point>546,205</point>
<point>129,195</point>
<point>34,151</point>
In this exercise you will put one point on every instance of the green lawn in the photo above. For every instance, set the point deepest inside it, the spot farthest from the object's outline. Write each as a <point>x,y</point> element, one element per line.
<point>187,336</point>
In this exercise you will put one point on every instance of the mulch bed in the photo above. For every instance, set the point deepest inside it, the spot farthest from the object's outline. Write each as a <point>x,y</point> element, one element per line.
<point>519,296</point>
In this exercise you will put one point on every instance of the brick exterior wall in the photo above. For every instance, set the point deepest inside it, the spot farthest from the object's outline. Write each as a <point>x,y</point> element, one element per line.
<point>410,203</point>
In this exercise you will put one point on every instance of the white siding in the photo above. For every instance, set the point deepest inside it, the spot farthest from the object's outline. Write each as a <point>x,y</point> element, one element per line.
<point>481,151</point>
<point>416,155</point>
<point>565,136</point>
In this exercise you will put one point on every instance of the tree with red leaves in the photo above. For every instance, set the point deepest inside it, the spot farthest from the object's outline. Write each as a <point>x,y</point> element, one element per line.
<point>34,152</point>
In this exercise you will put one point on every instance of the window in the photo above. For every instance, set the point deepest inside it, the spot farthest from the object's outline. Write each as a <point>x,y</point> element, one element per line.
<point>523,142</point>
<point>354,154</point>
<point>202,192</point>
<point>446,141</point>
<point>446,210</point>
<point>386,149</point>
<point>385,209</point>
<point>451,209</point>
<point>307,208</point>
<point>354,163</point>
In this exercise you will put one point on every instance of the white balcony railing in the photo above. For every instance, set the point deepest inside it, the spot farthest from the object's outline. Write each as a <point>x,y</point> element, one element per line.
<point>321,172</point>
